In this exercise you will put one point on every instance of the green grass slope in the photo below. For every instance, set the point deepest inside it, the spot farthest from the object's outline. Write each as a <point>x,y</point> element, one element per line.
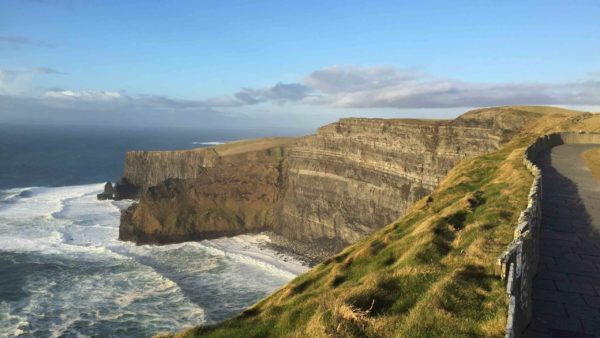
<point>430,274</point>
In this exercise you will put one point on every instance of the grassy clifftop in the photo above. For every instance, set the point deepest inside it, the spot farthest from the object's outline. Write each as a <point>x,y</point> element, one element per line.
<point>431,273</point>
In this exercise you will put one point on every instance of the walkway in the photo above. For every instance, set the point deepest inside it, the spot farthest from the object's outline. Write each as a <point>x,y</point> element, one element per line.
<point>566,291</point>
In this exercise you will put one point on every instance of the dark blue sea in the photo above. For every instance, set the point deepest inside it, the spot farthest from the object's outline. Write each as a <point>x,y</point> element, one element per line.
<point>63,273</point>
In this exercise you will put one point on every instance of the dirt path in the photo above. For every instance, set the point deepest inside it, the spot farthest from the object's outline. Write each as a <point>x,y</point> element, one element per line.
<point>566,291</point>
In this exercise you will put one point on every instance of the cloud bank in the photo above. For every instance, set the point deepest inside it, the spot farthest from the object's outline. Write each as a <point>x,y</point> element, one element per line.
<point>14,82</point>
<point>388,87</point>
<point>366,87</point>
<point>279,93</point>
<point>319,97</point>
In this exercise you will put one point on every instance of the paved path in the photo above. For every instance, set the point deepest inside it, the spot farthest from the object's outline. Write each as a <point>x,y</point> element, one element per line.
<point>566,291</point>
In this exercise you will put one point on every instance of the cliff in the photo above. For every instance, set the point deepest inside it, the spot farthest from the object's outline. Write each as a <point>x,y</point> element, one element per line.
<point>148,168</point>
<point>357,174</point>
<point>203,193</point>
<point>331,188</point>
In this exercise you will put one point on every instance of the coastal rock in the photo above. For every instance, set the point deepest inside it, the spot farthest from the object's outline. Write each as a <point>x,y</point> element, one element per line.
<point>108,193</point>
<point>124,189</point>
<point>232,193</point>
<point>357,175</point>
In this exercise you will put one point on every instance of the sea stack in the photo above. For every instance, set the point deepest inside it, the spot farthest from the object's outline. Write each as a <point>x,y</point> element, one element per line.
<point>109,192</point>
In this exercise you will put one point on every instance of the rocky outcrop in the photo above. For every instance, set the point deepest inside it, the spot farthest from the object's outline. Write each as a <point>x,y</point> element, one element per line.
<point>331,188</point>
<point>357,175</point>
<point>207,193</point>
<point>145,169</point>
<point>109,192</point>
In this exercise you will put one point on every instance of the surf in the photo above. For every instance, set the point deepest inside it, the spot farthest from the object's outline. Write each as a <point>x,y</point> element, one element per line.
<point>75,278</point>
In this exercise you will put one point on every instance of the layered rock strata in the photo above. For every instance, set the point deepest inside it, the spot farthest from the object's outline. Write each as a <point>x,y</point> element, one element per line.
<point>205,193</point>
<point>359,174</point>
<point>352,177</point>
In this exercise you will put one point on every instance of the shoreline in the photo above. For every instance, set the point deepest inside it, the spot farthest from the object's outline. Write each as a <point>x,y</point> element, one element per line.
<point>307,253</point>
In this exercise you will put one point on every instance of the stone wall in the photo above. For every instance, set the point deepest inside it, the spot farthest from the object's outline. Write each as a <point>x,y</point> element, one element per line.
<point>518,264</point>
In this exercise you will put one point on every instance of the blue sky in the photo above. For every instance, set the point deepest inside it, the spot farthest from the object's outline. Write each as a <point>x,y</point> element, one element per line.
<point>183,61</point>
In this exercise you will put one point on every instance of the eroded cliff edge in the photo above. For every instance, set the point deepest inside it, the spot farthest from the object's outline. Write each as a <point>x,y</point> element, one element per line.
<point>331,188</point>
<point>204,193</point>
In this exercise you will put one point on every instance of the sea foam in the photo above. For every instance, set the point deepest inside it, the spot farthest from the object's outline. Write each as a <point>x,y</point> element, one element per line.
<point>75,278</point>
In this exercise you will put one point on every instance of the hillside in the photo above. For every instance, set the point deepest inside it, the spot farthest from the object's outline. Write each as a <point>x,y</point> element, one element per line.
<point>429,274</point>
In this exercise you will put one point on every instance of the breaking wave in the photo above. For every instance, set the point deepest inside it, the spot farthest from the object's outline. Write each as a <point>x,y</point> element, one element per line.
<point>64,273</point>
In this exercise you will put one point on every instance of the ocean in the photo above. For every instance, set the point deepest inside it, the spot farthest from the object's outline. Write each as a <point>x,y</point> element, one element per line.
<point>63,273</point>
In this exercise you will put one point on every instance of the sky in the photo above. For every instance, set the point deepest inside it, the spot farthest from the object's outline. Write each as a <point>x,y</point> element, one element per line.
<point>290,64</point>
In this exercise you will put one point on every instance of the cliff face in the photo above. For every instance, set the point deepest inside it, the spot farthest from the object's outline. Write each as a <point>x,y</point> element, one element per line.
<point>332,188</point>
<point>206,193</point>
<point>145,169</point>
<point>359,174</point>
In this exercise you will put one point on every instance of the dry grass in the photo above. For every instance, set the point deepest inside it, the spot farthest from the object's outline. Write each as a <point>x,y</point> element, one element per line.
<point>244,146</point>
<point>592,160</point>
<point>235,147</point>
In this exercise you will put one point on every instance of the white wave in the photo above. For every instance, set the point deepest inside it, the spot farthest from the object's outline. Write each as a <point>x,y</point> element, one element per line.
<point>63,220</point>
<point>44,201</point>
<point>9,195</point>
<point>163,287</point>
<point>137,296</point>
<point>73,230</point>
<point>79,223</point>
<point>12,324</point>
<point>250,249</point>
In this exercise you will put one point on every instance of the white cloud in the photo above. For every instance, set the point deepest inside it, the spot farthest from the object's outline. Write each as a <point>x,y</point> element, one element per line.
<point>339,79</point>
<point>85,95</point>
<point>15,82</point>
<point>445,94</point>
<point>389,87</point>
<point>279,93</point>
<point>6,78</point>
<point>377,91</point>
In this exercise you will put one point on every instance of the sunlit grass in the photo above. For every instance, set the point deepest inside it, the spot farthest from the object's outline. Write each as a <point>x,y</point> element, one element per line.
<point>592,160</point>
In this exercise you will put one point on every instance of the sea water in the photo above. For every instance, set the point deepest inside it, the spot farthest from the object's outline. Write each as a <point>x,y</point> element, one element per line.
<point>63,273</point>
